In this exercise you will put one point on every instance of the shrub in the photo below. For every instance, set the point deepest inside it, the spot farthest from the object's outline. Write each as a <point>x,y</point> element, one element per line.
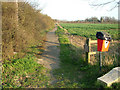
<point>29,29</point>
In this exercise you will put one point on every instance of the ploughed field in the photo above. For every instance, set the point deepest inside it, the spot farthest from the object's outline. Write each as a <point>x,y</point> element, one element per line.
<point>90,30</point>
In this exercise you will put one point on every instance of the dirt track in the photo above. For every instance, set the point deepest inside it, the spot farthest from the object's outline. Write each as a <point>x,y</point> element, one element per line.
<point>50,57</point>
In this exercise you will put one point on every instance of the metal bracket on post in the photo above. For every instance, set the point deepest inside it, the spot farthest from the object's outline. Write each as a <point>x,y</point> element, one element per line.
<point>100,60</point>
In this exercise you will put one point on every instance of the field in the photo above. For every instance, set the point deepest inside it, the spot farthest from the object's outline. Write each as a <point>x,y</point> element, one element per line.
<point>89,30</point>
<point>74,71</point>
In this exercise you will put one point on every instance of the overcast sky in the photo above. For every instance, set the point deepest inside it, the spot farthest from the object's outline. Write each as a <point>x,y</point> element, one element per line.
<point>75,9</point>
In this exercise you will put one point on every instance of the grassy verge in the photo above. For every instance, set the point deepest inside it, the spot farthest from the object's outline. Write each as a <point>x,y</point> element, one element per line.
<point>25,72</point>
<point>74,71</point>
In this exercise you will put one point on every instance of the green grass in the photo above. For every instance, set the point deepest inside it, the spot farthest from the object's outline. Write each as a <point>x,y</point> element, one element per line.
<point>24,72</point>
<point>90,30</point>
<point>74,71</point>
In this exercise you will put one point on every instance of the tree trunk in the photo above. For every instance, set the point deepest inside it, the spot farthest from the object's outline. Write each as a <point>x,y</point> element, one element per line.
<point>16,46</point>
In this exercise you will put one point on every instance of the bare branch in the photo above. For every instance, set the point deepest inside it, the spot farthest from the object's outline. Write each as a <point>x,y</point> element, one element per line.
<point>117,4</point>
<point>102,4</point>
<point>114,7</point>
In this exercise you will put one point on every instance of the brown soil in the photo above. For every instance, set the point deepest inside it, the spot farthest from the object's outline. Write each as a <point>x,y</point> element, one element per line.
<point>77,40</point>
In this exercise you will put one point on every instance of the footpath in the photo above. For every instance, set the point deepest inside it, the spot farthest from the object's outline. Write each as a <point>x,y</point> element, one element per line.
<point>50,57</point>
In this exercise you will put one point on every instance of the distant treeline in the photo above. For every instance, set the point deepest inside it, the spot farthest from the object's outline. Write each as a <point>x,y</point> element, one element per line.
<point>22,27</point>
<point>104,19</point>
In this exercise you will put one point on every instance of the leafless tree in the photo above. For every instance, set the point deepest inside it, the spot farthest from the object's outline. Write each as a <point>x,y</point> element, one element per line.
<point>115,4</point>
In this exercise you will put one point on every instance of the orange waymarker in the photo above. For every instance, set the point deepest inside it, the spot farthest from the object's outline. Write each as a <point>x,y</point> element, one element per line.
<point>103,41</point>
<point>103,45</point>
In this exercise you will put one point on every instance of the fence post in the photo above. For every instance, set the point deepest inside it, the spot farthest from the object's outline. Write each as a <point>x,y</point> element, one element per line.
<point>89,48</point>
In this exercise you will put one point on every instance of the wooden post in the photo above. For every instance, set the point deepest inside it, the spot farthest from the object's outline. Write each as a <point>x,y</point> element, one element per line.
<point>89,48</point>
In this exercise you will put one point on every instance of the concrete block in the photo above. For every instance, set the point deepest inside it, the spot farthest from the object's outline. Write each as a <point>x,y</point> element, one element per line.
<point>111,77</point>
